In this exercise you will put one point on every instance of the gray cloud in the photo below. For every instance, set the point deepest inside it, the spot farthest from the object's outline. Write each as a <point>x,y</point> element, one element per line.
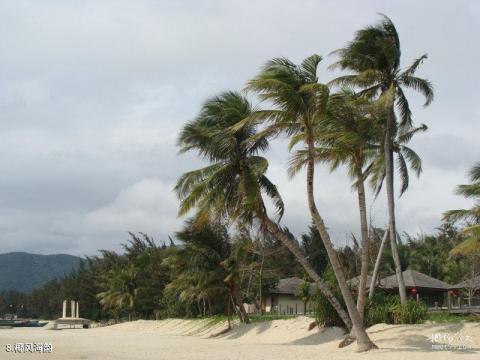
<point>92,95</point>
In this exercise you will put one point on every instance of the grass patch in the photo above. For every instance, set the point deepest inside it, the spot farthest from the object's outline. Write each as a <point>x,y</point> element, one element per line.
<point>445,317</point>
<point>260,318</point>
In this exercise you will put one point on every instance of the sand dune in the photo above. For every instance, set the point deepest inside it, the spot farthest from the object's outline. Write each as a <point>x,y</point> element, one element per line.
<point>279,339</point>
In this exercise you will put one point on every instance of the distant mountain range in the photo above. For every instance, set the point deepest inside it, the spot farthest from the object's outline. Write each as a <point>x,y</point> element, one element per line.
<point>24,272</point>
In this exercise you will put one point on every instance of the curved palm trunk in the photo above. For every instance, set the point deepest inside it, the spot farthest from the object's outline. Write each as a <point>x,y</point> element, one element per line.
<point>362,205</point>
<point>363,341</point>
<point>391,205</point>
<point>321,285</point>
<point>376,268</point>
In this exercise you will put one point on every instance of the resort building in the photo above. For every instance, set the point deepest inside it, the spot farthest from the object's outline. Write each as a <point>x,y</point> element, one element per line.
<point>285,299</point>
<point>465,294</point>
<point>431,291</point>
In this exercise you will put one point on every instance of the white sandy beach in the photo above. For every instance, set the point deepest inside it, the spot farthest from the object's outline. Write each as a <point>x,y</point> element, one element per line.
<point>279,339</point>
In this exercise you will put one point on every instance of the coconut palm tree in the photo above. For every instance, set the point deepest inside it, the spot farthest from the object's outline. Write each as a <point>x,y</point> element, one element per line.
<point>373,57</point>
<point>121,290</point>
<point>198,266</point>
<point>234,183</point>
<point>472,216</point>
<point>406,158</point>
<point>300,105</point>
<point>348,136</point>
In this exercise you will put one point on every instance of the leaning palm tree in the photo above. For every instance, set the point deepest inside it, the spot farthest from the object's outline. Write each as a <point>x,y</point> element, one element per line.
<point>300,105</point>
<point>471,216</point>
<point>348,135</point>
<point>374,58</point>
<point>234,183</point>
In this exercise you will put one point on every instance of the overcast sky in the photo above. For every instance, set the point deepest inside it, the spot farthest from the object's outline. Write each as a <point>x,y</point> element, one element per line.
<point>93,94</point>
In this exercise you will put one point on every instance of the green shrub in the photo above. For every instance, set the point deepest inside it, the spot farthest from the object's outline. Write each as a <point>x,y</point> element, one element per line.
<point>379,309</point>
<point>412,312</point>
<point>325,313</point>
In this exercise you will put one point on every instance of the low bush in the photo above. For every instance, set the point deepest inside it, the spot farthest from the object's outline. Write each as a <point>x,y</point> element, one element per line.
<point>412,312</point>
<point>379,309</point>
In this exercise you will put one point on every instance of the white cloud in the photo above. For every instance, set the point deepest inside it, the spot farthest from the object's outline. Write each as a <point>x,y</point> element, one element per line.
<point>149,206</point>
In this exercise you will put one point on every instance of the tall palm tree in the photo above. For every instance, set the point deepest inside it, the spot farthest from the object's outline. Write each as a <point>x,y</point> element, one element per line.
<point>406,158</point>
<point>374,58</point>
<point>472,216</point>
<point>300,105</point>
<point>232,186</point>
<point>347,136</point>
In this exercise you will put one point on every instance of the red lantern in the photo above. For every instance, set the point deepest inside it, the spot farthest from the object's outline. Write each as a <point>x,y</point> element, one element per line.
<point>414,291</point>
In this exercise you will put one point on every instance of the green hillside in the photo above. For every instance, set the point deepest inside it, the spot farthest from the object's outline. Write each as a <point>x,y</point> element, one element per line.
<point>24,272</point>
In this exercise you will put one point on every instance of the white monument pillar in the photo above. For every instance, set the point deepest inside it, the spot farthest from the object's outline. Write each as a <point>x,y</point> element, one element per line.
<point>77,311</point>
<point>72,308</point>
<point>64,310</point>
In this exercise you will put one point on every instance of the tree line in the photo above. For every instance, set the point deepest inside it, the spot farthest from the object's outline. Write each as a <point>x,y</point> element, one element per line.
<point>193,277</point>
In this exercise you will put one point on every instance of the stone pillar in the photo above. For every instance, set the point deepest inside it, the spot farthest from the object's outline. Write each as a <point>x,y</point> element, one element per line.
<point>72,308</point>
<point>77,311</point>
<point>64,309</point>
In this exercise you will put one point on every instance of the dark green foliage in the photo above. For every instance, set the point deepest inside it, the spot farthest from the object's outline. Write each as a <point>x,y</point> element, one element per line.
<point>325,313</point>
<point>411,312</point>
<point>350,258</point>
<point>379,309</point>
<point>430,255</point>
<point>280,260</point>
<point>386,308</point>
<point>95,275</point>
<point>314,249</point>
<point>198,275</point>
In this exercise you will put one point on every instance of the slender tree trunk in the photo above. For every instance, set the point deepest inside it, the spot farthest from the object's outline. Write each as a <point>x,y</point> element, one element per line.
<point>363,341</point>
<point>260,283</point>
<point>376,268</point>
<point>239,303</point>
<point>391,204</point>
<point>321,285</point>
<point>229,313</point>
<point>362,205</point>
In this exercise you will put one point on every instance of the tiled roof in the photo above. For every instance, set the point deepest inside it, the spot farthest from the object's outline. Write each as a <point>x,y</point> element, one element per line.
<point>415,279</point>
<point>290,286</point>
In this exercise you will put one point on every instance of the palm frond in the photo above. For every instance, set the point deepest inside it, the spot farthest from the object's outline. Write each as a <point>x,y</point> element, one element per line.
<point>423,86</point>
<point>413,68</point>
